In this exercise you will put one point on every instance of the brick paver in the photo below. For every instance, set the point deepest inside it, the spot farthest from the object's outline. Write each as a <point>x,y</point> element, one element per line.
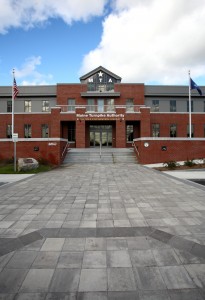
<point>99,231</point>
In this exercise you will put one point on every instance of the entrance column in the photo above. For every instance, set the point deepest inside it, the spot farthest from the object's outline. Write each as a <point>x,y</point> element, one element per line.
<point>80,133</point>
<point>120,134</point>
<point>55,126</point>
<point>145,127</point>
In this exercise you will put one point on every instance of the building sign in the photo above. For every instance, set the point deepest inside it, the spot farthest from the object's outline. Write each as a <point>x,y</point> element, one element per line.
<point>100,117</point>
<point>52,144</point>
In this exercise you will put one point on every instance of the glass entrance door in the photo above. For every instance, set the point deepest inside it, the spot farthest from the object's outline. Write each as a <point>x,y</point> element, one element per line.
<point>101,134</point>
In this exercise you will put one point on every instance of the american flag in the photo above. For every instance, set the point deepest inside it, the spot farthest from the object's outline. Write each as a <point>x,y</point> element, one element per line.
<point>15,89</point>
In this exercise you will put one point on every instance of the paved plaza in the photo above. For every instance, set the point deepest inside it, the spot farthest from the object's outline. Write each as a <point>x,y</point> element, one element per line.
<point>102,231</point>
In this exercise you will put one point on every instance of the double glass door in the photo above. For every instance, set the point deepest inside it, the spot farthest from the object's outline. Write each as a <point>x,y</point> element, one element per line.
<point>101,134</point>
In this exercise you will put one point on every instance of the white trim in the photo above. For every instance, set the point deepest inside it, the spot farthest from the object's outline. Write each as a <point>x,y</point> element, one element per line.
<point>168,139</point>
<point>26,113</point>
<point>36,140</point>
<point>174,112</point>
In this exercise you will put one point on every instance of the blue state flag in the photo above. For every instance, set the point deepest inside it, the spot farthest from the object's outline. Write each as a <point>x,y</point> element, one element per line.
<point>194,86</point>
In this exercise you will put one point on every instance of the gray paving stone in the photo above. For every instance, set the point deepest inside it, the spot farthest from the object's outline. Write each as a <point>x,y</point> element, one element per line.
<point>61,205</point>
<point>65,280</point>
<point>123,295</point>
<point>30,296</point>
<point>166,257</point>
<point>46,260</point>
<point>70,260</point>
<point>11,280</point>
<point>37,280</point>
<point>186,294</point>
<point>94,259</point>
<point>121,279</point>
<point>21,260</point>
<point>116,244</point>
<point>7,296</point>
<point>149,278</point>
<point>74,244</point>
<point>93,280</point>
<point>154,295</point>
<point>188,258</point>
<point>176,277</point>
<point>138,243</point>
<point>142,258</point>
<point>53,244</point>
<point>61,296</point>
<point>92,296</point>
<point>120,258</point>
<point>197,273</point>
<point>95,244</point>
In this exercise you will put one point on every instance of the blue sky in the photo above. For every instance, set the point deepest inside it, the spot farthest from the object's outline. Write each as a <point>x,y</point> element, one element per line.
<point>150,41</point>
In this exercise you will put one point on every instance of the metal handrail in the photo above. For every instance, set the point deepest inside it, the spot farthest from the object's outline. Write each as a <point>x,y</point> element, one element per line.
<point>100,148</point>
<point>133,144</point>
<point>66,147</point>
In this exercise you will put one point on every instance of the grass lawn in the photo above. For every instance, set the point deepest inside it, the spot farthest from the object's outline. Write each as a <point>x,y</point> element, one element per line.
<point>9,169</point>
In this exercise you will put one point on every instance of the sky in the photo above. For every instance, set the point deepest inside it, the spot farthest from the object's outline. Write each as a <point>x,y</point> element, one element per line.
<point>143,41</point>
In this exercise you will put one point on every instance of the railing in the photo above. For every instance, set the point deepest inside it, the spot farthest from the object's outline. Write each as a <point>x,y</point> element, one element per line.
<point>136,150</point>
<point>65,149</point>
<point>100,109</point>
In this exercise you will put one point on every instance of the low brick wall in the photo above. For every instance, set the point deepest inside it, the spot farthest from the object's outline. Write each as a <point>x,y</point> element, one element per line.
<point>50,150</point>
<point>160,150</point>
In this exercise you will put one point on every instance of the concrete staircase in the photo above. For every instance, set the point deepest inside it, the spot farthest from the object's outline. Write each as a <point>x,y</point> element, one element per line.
<point>92,155</point>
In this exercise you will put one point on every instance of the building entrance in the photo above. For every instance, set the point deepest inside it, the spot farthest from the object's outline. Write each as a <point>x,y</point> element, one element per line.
<point>101,134</point>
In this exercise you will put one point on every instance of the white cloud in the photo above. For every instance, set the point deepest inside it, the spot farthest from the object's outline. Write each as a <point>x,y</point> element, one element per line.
<point>29,71</point>
<point>27,13</point>
<point>152,40</point>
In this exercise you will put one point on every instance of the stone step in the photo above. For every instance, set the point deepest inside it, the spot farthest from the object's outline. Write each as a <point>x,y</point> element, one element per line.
<point>92,155</point>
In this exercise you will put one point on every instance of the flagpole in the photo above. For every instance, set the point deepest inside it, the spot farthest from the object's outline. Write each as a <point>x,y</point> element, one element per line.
<point>189,105</point>
<point>12,122</point>
<point>14,141</point>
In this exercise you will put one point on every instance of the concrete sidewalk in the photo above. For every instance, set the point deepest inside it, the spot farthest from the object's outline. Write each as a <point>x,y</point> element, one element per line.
<point>8,178</point>
<point>99,231</point>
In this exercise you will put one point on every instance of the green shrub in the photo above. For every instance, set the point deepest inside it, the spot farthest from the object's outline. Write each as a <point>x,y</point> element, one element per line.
<point>189,163</point>
<point>171,164</point>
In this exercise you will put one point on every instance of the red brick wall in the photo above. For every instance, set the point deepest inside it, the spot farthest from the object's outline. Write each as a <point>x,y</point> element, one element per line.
<point>132,91</point>
<point>182,120</point>
<point>177,150</point>
<point>48,150</point>
<point>36,120</point>
<point>70,91</point>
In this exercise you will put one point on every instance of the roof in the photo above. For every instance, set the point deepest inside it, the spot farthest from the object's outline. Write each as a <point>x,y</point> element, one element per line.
<point>100,68</point>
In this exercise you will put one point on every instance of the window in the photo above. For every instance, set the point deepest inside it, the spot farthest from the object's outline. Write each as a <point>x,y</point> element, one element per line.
<point>9,131</point>
<point>71,132</point>
<point>100,105</point>
<point>91,105</point>
<point>129,133</point>
<point>192,130</point>
<point>173,105</point>
<point>110,105</point>
<point>155,105</point>
<point>45,105</point>
<point>192,106</point>
<point>9,106</point>
<point>27,105</point>
<point>129,105</point>
<point>173,130</point>
<point>71,105</point>
<point>27,130</point>
<point>155,130</point>
<point>44,131</point>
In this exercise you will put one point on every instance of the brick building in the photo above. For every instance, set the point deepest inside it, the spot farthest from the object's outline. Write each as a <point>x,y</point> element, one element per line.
<point>102,111</point>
